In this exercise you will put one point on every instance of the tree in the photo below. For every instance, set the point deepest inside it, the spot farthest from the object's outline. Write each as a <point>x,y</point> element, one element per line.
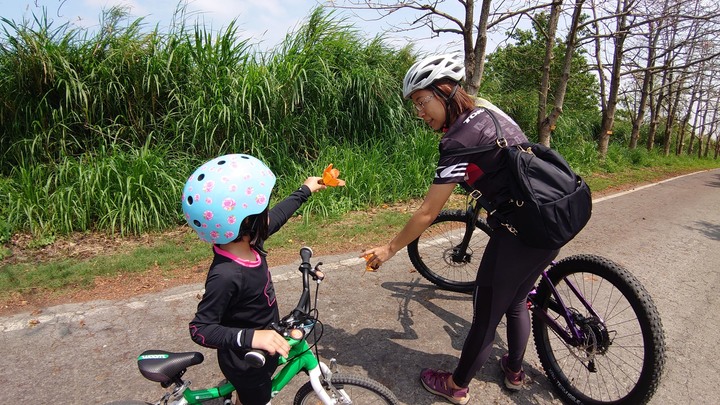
<point>622,17</point>
<point>526,69</point>
<point>546,121</point>
<point>445,17</point>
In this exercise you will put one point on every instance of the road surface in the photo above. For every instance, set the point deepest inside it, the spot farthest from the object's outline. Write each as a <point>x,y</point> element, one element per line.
<point>390,324</point>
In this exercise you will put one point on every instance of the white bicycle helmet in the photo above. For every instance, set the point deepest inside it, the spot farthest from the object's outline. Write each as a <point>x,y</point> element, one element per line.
<point>221,193</point>
<point>432,68</point>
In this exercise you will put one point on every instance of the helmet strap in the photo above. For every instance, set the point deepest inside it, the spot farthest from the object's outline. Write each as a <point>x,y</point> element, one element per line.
<point>446,100</point>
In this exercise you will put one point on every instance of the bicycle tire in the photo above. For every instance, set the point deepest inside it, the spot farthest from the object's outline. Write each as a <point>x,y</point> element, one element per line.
<point>362,390</point>
<point>629,342</point>
<point>431,253</point>
<point>128,402</point>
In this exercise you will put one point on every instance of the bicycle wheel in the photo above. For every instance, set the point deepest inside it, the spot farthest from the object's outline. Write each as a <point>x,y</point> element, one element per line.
<point>128,403</point>
<point>436,257</point>
<point>350,389</point>
<point>621,358</point>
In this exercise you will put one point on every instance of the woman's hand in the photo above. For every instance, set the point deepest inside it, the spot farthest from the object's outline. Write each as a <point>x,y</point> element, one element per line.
<point>313,183</point>
<point>436,197</point>
<point>375,257</point>
<point>270,341</point>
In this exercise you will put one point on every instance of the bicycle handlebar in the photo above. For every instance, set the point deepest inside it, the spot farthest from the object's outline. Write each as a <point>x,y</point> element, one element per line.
<point>298,322</point>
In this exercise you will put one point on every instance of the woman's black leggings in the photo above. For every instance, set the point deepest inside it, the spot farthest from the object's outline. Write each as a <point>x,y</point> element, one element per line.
<point>508,272</point>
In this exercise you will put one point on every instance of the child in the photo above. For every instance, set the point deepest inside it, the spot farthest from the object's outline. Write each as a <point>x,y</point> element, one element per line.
<point>226,202</point>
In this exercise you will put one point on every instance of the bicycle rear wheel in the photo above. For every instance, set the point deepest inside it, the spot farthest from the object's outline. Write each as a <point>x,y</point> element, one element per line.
<point>435,253</point>
<point>358,389</point>
<point>622,356</point>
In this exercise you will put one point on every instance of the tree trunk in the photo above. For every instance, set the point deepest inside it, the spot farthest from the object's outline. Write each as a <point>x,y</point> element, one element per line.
<point>542,119</point>
<point>711,130</point>
<point>547,125</point>
<point>608,115</point>
<point>686,119</point>
<point>647,86</point>
<point>654,118</point>
<point>673,100</point>
<point>475,53</point>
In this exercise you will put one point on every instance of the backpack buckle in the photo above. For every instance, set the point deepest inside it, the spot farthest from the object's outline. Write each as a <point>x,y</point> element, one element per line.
<point>510,228</point>
<point>501,142</point>
<point>475,194</point>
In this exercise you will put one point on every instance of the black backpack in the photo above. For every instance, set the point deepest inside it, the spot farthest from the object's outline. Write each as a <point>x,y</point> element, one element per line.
<point>550,203</point>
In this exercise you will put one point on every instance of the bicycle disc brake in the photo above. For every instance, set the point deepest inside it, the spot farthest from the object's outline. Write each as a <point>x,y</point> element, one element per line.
<point>595,340</point>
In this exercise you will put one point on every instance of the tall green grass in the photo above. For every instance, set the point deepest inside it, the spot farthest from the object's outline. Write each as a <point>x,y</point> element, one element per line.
<point>100,129</point>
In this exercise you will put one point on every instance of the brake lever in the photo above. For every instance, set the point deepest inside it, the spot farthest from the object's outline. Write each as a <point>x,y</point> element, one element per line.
<point>316,274</point>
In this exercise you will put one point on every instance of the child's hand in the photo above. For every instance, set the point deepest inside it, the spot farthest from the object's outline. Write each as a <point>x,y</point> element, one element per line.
<point>314,184</point>
<point>271,342</point>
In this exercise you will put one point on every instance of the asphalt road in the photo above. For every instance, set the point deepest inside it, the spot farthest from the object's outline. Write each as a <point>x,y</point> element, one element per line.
<point>390,324</point>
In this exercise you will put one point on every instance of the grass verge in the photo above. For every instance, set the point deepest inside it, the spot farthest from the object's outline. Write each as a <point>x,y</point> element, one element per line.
<point>89,266</point>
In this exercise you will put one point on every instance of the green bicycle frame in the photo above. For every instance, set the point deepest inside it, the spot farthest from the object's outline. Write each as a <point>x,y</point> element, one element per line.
<point>301,358</point>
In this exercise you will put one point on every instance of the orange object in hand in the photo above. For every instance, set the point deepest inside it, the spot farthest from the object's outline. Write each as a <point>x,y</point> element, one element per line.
<point>330,177</point>
<point>368,267</point>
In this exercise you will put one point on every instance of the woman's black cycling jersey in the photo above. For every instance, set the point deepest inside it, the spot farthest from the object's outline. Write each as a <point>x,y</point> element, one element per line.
<point>484,171</point>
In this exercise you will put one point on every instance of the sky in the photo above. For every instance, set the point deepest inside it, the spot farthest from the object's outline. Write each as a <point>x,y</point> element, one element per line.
<point>265,21</point>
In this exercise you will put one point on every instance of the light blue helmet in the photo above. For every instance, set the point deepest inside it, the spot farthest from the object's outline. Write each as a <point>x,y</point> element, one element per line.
<point>221,193</point>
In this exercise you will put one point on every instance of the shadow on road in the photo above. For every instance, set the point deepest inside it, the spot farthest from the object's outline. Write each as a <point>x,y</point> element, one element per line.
<point>394,356</point>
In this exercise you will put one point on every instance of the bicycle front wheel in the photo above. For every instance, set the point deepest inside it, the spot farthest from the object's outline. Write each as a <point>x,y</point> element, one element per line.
<point>621,356</point>
<point>348,389</point>
<point>438,254</point>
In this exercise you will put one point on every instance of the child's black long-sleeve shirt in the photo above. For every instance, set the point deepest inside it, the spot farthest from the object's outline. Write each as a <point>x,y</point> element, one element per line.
<point>239,294</point>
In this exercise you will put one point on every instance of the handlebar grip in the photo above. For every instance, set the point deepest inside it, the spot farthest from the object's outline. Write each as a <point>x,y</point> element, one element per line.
<point>255,358</point>
<point>305,254</point>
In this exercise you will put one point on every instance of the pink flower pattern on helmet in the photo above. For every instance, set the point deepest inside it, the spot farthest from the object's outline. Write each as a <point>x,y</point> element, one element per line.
<point>228,204</point>
<point>208,187</point>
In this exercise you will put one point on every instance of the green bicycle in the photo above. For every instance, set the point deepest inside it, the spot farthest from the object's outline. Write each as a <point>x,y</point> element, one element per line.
<point>326,385</point>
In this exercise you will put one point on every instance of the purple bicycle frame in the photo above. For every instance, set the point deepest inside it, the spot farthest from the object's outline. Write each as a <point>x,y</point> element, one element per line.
<point>576,335</point>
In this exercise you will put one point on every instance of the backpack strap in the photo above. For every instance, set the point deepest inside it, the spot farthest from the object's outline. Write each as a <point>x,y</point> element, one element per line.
<point>475,194</point>
<point>500,141</point>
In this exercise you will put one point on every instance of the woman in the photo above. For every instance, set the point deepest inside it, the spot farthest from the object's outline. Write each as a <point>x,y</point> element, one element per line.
<point>509,268</point>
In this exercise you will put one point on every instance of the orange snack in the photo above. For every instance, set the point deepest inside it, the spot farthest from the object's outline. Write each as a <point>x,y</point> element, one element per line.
<point>330,177</point>
<point>367,266</point>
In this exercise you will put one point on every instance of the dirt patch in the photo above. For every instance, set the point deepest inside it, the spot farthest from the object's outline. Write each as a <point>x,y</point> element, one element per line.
<point>84,246</point>
<point>87,245</point>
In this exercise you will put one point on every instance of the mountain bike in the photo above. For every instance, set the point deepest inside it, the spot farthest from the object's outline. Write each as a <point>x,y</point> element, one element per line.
<point>326,385</point>
<point>597,332</point>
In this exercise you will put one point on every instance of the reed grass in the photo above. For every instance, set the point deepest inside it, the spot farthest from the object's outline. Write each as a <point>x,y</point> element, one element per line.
<point>100,129</point>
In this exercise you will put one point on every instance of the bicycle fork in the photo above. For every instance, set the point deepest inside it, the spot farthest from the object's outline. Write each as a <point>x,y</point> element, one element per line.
<point>321,381</point>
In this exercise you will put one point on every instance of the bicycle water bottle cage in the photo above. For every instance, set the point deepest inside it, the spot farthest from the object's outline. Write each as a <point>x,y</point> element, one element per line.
<point>166,367</point>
